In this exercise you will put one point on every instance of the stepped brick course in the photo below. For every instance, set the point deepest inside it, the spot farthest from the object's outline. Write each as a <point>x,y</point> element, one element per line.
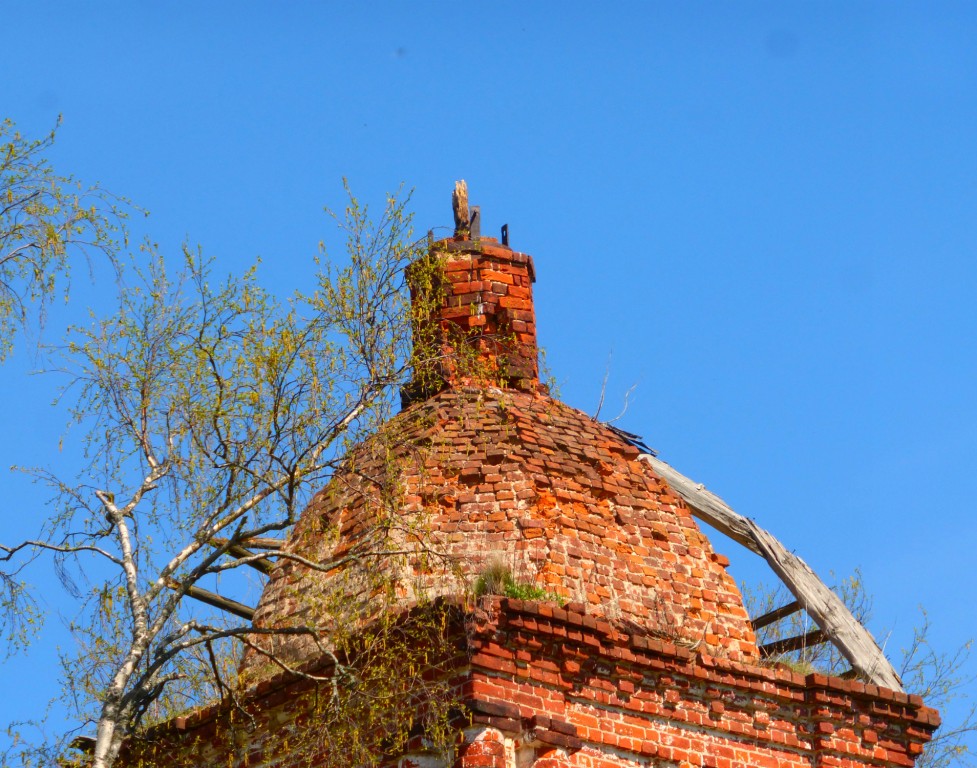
<point>550,687</point>
<point>614,700</point>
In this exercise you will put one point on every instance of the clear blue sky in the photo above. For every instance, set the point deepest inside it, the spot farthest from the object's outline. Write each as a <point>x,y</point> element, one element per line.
<point>763,215</point>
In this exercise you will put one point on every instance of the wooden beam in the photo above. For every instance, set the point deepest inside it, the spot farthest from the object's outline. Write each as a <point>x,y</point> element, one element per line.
<point>706,505</point>
<point>776,615</point>
<point>824,606</point>
<point>789,644</point>
<point>262,564</point>
<point>211,598</point>
<point>263,542</point>
<point>459,206</point>
<point>255,542</point>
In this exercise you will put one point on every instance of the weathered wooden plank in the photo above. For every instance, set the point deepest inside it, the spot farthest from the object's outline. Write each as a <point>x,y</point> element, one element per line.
<point>459,206</point>
<point>777,614</point>
<point>826,609</point>
<point>264,542</point>
<point>788,644</point>
<point>706,505</point>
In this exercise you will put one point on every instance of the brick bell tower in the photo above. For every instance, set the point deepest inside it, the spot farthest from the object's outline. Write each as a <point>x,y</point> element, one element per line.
<point>474,322</point>
<point>640,655</point>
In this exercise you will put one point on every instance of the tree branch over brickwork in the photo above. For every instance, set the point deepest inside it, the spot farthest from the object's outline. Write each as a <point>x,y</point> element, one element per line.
<point>211,411</point>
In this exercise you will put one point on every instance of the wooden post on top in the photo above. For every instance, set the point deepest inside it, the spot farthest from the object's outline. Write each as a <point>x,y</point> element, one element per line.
<point>459,204</point>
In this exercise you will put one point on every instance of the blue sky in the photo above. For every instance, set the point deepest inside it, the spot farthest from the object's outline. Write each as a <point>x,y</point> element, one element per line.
<point>764,216</point>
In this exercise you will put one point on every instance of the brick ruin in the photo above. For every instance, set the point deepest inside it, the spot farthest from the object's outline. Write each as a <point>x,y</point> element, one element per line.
<point>641,653</point>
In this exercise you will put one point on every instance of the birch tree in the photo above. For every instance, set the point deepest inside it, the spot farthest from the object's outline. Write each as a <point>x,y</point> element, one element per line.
<point>211,410</point>
<point>48,223</point>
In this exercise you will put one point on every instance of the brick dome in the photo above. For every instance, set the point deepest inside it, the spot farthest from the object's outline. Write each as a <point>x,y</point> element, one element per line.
<point>488,475</point>
<point>486,471</point>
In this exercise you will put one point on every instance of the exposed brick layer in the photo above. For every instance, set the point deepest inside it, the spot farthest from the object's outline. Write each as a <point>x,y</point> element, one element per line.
<point>545,687</point>
<point>481,326</point>
<point>560,499</point>
<point>623,700</point>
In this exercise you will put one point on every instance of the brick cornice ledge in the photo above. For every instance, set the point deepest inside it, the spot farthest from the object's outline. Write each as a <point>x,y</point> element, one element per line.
<point>648,695</point>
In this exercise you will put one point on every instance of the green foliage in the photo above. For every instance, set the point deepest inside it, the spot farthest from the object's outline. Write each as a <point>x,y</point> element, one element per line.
<point>20,615</point>
<point>47,221</point>
<point>823,657</point>
<point>386,683</point>
<point>210,411</point>
<point>497,579</point>
<point>395,665</point>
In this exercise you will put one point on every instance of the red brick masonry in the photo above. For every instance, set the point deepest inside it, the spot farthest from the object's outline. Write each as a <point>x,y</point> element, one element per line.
<point>559,498</point>
<point>546,687</point>
<point>653,662</point>
<point>483,326</point>
<point>557,687</point>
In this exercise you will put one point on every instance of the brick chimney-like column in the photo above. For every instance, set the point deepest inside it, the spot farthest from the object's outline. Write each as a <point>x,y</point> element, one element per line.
<point>474,322</point>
